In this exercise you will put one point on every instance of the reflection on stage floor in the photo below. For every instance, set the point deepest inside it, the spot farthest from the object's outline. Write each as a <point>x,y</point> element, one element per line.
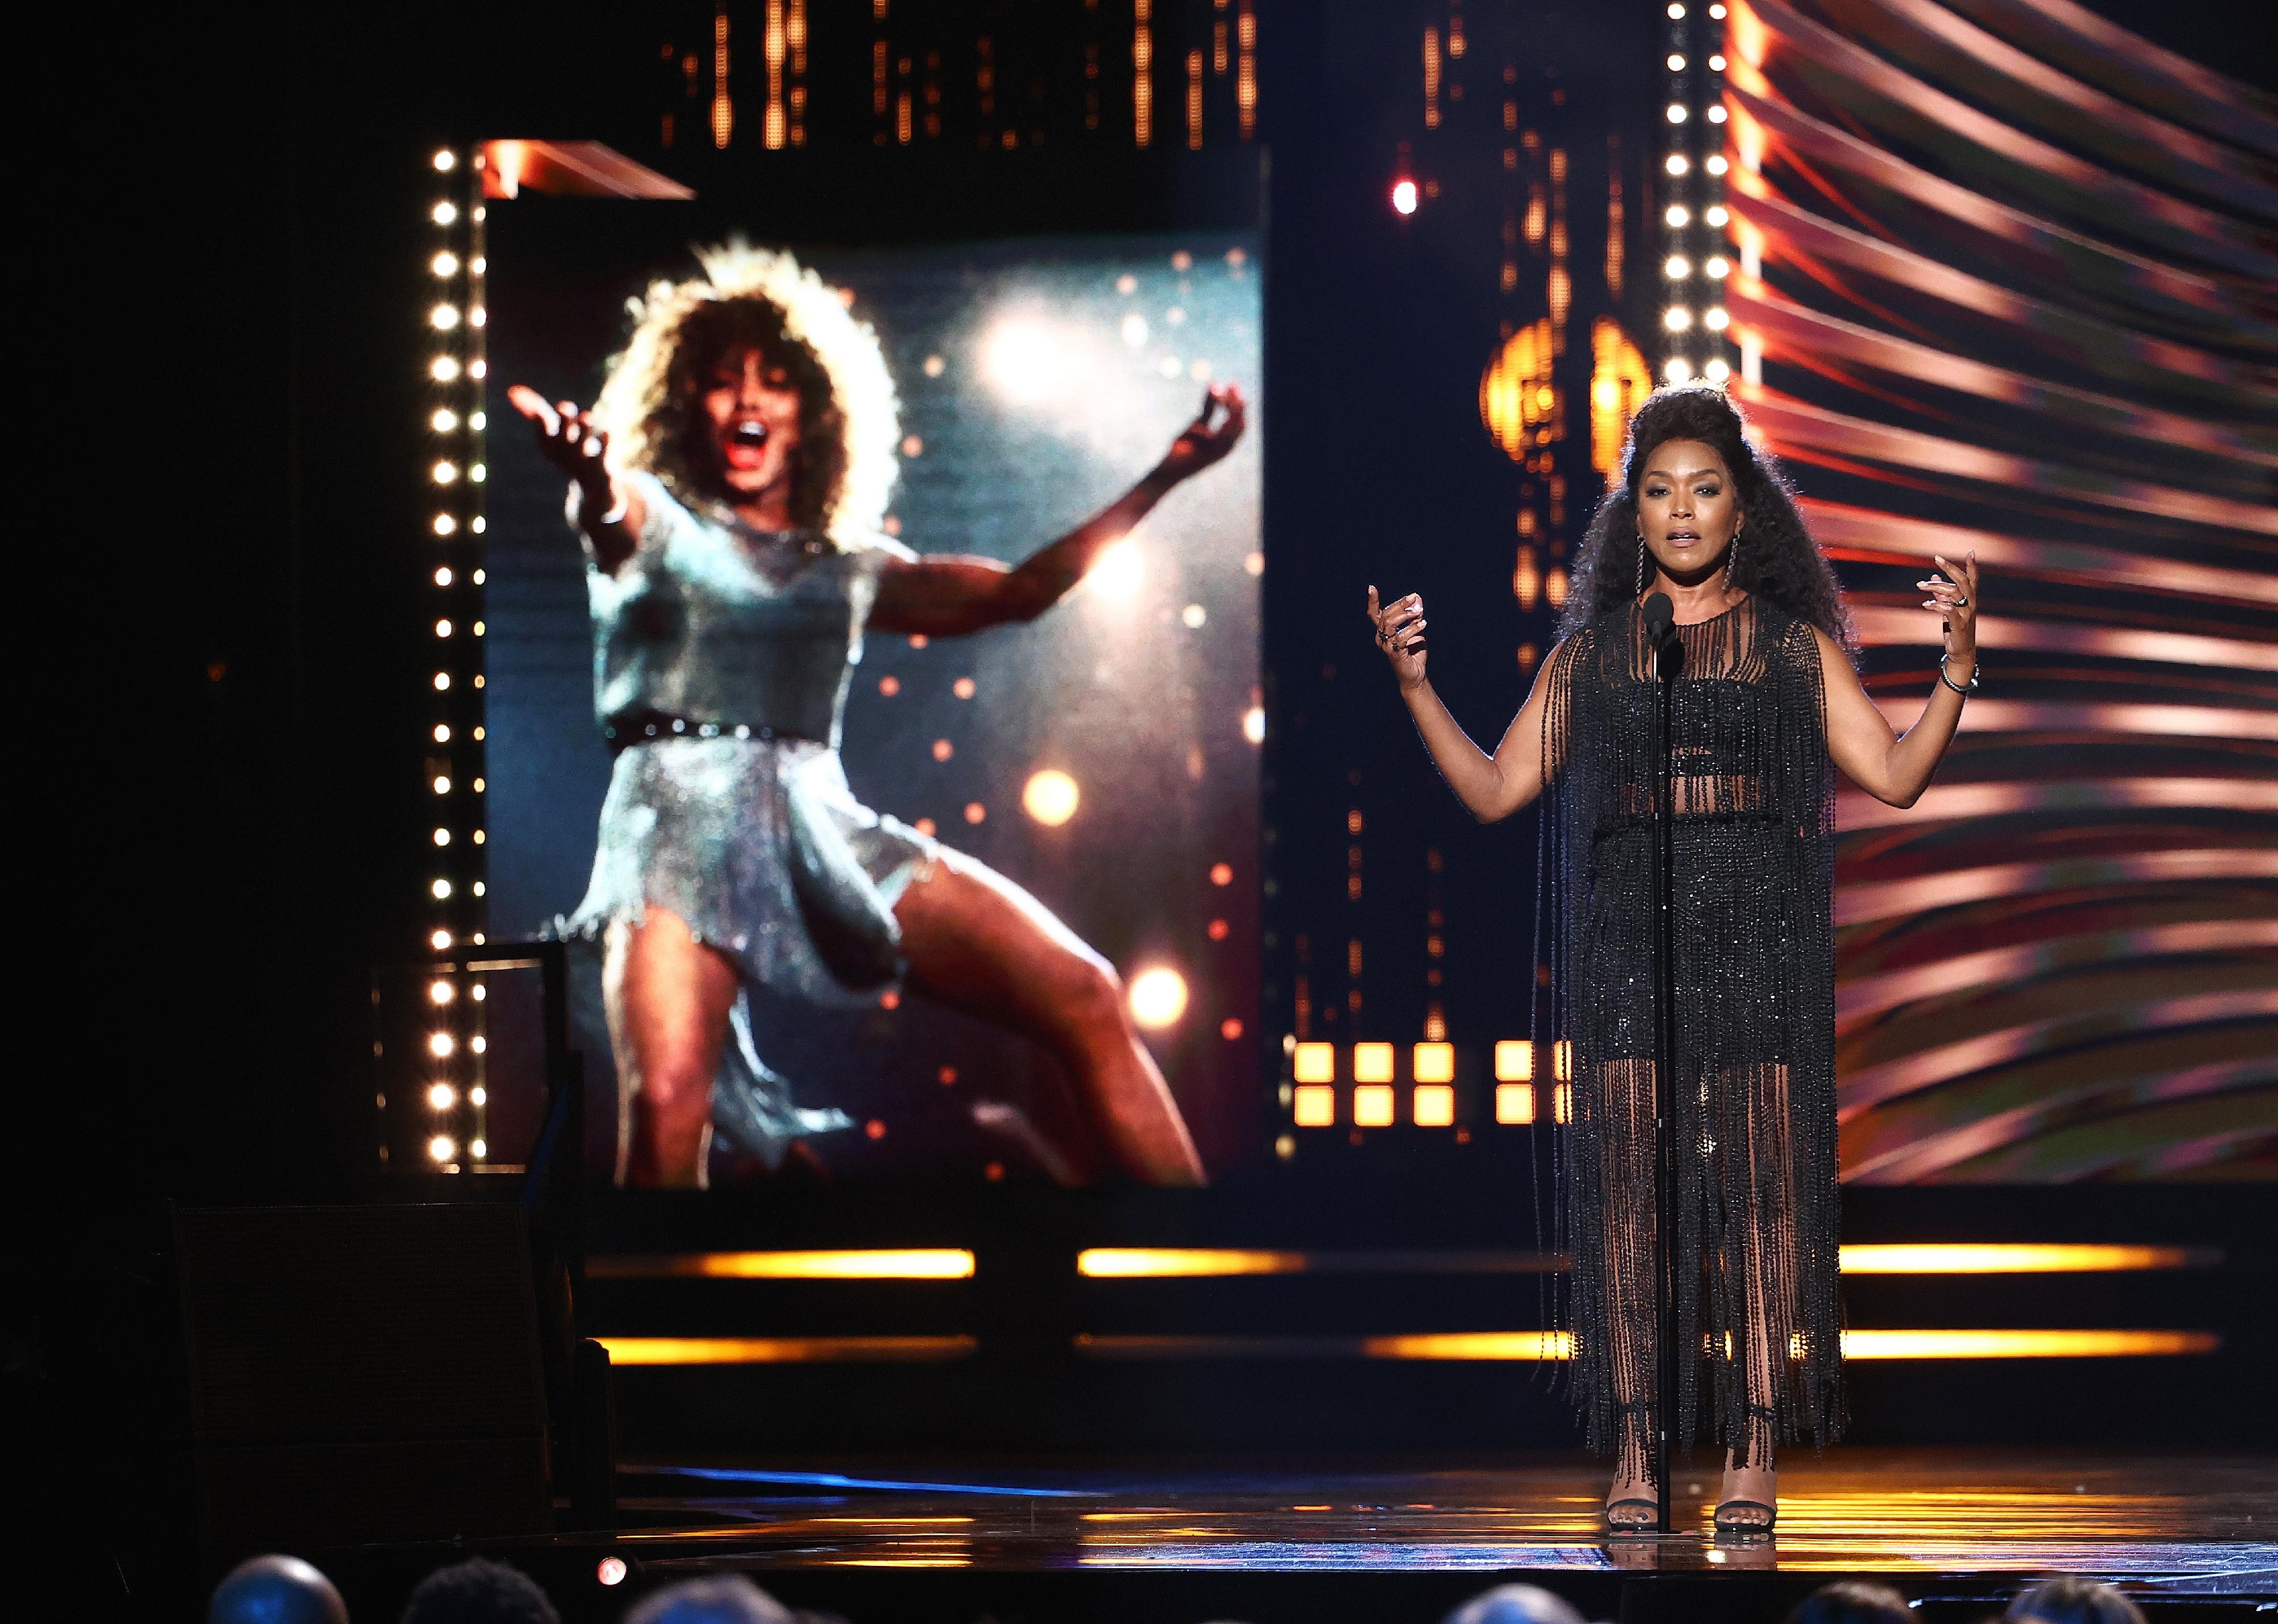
<point>2200,1526</point>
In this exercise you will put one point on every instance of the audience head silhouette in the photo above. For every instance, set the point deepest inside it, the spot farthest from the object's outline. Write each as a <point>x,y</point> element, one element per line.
<point>2067,1599</point>
<point>276,1589</point>
<point>1850,1602</point>
<point>728,1598</point>
<point>1515,1603</point>
<point>478,1592</point>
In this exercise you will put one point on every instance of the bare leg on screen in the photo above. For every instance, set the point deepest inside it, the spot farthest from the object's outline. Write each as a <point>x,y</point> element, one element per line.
<point>667,996</point>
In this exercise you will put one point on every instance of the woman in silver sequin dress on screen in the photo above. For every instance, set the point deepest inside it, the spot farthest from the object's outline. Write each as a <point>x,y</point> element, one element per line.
<point>728,485</point>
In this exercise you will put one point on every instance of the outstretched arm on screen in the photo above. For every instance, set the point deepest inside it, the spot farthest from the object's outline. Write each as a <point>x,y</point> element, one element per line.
<point>944,596</point>
<point>608,515</point>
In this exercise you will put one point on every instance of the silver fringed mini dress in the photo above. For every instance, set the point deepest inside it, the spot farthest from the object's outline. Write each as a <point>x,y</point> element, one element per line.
<point>722,659</point>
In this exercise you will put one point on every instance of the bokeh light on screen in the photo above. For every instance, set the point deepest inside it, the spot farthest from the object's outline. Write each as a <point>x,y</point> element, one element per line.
<point>1118,572</point>
<point>1158,997</point>
<point>610,1570</point>
<point>1027,362</point>
<point>1049,797</point>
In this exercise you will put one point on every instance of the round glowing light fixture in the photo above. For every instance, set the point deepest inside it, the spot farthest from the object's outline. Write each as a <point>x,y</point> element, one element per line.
<point>1716,113</point>
<point>446,525</point>
<point>440,1045</point>
<point>1253,724</point>
<point>444,264</point>
<point>447,160</point>
<point>1715,214</point>
<point>440,1147</point>
<point>1718,266</point>
<point>444,421</point>
<point>1676,61</point>
<point>1678,371</point>
<point>444,214</point>
<point>1679,215</point>
<point>444,316</point>
<point>1716,371</point>
<point>1676,112</point>
<point>1404,197</point>
<point>1677,268</point>
<point>445,369</point>
<point>1049,797</point>
<point>1716,63</point>
<point>441,889</point>
<point>1717,319</point>
<point>1677,163</point>
<point>1158,997</point>
<point>1676,13</point>
<point>442,1097</point>
<point>610,1570</point>
<point>439,941</point>
<point>1677,318</point>
<point>441,992</point>
<point>1717,164</point>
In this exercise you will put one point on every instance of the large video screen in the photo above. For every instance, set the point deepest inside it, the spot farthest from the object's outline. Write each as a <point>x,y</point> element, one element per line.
<point>1053,800</point>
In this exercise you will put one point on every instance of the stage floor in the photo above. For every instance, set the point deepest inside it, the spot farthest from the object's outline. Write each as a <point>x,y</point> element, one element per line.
<point>2204,1526</point>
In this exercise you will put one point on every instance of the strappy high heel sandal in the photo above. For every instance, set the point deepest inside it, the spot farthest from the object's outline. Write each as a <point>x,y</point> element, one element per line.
<point>1749,1498</point>
<point>1622,1510</point>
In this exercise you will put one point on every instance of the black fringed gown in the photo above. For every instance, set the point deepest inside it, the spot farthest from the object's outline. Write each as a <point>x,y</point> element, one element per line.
<point>1755,1104</point>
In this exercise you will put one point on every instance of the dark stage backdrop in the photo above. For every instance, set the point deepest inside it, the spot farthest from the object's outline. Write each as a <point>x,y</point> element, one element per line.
<point>1038,379</point>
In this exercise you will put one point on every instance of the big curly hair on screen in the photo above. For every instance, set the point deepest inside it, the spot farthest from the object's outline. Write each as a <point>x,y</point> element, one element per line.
<point>1776,560</point>
<point>849,418</point>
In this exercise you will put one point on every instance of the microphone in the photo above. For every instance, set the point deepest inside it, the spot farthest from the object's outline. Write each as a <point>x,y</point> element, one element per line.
<point>1660,626</point>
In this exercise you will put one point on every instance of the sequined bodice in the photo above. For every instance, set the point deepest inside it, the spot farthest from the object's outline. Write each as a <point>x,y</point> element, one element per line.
<point>719,625</point>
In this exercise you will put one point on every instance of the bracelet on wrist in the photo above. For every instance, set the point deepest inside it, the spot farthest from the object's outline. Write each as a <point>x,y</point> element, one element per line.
<point>1964,690</point>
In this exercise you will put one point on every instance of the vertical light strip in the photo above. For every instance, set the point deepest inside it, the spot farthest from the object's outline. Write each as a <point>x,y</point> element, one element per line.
<point>1680,271</point>
<point>1245,67</point>
<point>776,131</point>
<point>795,33</point>
<point>1717,363</point>
<point>1143,73</point>
<point>723,110</point>
<point>1194,101</point>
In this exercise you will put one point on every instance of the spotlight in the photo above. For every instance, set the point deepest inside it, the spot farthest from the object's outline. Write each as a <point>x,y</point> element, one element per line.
<point>445,265</point>
<point>1678,268</point>
<point>1028,360</point>
<point>1715,214</point>
<point>441,992</point>
<point>1134,331</point>
<point>442,1097</point>
<point>445,369</point>
<point>481,420</point>
<point>1253,724</point>
<point>1676,13</point>
<point>1676,112</point>
<point>444,421</point>
<point>441,889</point>
<point>478,1096</point>
<point>1679,215</point>
<point>1677,318</point>
<point>1717,319</point>
<point>1717,165</point>
<point>1676,61</point>
<point>1716,371</point>
<point>610,1570</point>
<point>444,214</point>
<point>1717,266</point>
<point>1716,65</point>
<point>443,577</point>
<point>440,1045</point>
<point>445,317</point>
<point>439,1147</point>
<point>478,1150</point>
<point>1677,163</point>
<point>1117,572</point>
<point>1404,197</point>
<point>1717,11</point>
<point>442,682</point>
<point>1049,797</point>
<point>1678,370</point>
<point>442,785</point>
<point>442,837</point>
<point>1158,997</point>
<point>446,525</point>
<point>441,939</point>
<point>1716,113</point>
<point>445,159</point>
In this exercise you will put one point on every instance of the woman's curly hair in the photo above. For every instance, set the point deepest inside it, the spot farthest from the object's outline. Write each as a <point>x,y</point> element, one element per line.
<point>1775,557</point>
<point>848,421</point>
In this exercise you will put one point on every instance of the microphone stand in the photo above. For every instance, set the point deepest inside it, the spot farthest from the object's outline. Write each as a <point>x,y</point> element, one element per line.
<point>1669,654</point>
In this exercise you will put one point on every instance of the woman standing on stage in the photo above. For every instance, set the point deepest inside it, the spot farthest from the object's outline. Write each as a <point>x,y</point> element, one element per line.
<point>1765,695</point>
<point>730,485</point>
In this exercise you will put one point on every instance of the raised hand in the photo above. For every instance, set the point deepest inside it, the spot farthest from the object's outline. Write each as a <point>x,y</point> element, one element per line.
<point>1955,602</point>
<point>1209,437</point>
<point>572,441</point>
<point>1399,634</point>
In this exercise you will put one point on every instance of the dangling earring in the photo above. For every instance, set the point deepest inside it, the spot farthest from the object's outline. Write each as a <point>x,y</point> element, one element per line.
<point>1731,556</point>
<point>1641,563</point>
